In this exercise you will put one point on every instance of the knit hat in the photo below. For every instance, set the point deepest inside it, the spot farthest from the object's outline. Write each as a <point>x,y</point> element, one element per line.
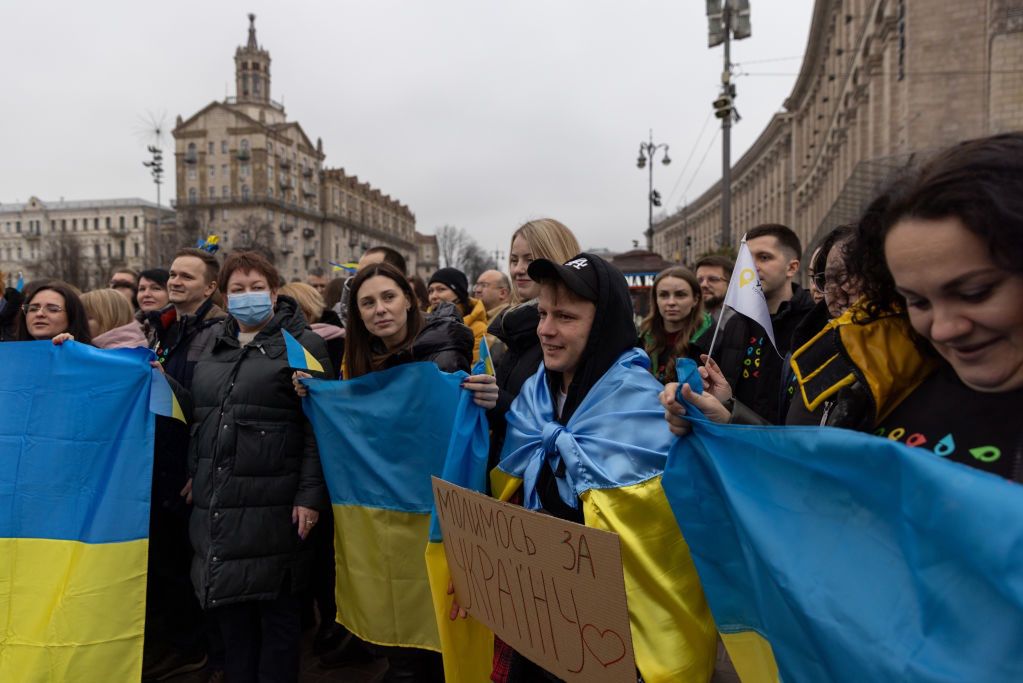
<point>455,280</point>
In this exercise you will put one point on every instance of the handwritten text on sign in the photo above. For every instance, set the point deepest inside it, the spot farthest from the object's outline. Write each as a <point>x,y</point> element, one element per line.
<point>551,589</point>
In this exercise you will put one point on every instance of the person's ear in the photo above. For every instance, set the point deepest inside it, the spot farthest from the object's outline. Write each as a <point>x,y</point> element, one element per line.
<point>210,288</point>
<point>793,268</point>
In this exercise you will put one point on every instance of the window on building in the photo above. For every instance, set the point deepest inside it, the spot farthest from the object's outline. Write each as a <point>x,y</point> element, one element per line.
<point>211,170</point>
<point>245,192</point>
<point>95,224</point>
<point>95,250</point>
<point>191,195</point>
<point>225,191</point>
<point>245,170</point>
<point>135,246</point>
<point>110,252</point>
<point>245,146</point>
<point>19,253</point>
<point>53,226</point>
<point>121,249</point>
<point>120,222</point>
<point>223,146</point>
<point>223,170</point>
<point>63,225</point>
<point>210,148</point>
<point>269,147</point>
<point>107,220</point>
<point>74,225</point>
<point>257,87</point>
<point>191,173</point>
<point>17,226</point>
<point>211,192</point>
<point>135,221</point>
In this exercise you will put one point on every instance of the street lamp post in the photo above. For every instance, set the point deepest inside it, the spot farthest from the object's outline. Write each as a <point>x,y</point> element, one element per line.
<point>728,19</point>
<point>647,151</point>
<point>155,166</point>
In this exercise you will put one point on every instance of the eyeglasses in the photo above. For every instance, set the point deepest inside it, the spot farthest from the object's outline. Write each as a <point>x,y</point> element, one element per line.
<point>49,308</point>
<point>819,281</point>
<point>710,279</point>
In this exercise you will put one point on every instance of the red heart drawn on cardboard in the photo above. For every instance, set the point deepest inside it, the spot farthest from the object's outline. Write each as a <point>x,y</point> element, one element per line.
<point>607,646</point>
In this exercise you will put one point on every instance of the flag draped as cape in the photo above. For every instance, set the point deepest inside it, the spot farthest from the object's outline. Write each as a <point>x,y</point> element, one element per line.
<point>613,449</point>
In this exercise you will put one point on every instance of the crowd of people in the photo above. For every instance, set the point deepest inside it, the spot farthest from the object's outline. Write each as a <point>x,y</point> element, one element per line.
<point>911,329</point>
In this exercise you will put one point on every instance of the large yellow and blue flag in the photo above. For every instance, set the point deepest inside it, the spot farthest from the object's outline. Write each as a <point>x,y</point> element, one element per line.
<point>381,438</point>
<point>612,452</point>
<point>76,456</point>
<point>833,555</point>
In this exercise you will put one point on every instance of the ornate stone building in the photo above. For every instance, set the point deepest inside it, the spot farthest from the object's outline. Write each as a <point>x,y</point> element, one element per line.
<point>78,241</point>
<point>427,255</point>
<point>247,174</point>
<point>883,83</point>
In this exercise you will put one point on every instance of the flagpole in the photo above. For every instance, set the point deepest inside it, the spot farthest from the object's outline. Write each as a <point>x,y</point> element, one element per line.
<point>714,337</point>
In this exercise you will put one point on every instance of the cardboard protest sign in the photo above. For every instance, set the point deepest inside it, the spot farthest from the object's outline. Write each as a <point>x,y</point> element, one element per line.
<point>552,589</point>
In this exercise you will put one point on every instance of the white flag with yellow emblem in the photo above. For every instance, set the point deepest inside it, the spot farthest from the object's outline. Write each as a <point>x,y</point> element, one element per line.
<point>745,295</point>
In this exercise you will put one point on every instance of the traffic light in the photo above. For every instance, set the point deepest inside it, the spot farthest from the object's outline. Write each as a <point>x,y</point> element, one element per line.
<point>655,198</point>
<point>723,107</point>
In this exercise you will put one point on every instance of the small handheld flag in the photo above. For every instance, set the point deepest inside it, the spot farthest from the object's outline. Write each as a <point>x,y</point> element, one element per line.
<point>349,268</point>
<point>162,400</point>
<point>210,244</point>
<point>298,357</point>
<point>20,284</point>
<point>745,295</point>
<point>485,365</point>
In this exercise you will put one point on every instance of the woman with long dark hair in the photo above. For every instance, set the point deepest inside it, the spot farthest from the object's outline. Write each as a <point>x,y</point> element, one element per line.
<point>676,321</point>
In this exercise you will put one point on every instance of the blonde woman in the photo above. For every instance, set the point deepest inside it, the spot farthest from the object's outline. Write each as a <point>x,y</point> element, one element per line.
<point>543,238</point>
<point>112,321</point>
<point>323,321</point>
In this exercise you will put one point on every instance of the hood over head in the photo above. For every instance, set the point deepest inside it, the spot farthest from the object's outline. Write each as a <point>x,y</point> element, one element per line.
<point>613,331</point>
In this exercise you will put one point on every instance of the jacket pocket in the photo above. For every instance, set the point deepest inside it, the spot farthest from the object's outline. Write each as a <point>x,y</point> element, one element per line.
<point>265,449</point>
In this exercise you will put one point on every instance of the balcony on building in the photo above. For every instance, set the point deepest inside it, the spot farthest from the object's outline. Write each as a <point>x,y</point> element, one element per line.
<point>308,232</point>
<point>286,228</point>
<point>309,252</point>
<point>191,156</point>
<point>308,189</point>
<point>285,182</point>
<point>284,162</point>
<point>286,249</point>
<point>307,171</point>
<point>243,155</point>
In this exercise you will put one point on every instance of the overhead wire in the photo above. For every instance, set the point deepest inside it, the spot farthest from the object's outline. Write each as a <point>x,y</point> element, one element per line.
<point>692,152</point>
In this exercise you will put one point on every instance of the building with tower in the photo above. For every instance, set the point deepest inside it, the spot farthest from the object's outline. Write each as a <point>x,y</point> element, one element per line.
<point>257,180</point>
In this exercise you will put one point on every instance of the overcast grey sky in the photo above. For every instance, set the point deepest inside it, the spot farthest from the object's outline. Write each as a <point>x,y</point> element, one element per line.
<point>475,113</point>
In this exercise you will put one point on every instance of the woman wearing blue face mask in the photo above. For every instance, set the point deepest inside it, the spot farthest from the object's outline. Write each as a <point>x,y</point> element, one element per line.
<point>256,479</point>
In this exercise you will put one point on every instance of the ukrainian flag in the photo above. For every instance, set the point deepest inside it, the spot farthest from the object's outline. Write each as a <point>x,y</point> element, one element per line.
<point>298,355</point>
<point>76,455</point>
<point>381,437</point>
<point>832,555</point>
<point>612,451</point>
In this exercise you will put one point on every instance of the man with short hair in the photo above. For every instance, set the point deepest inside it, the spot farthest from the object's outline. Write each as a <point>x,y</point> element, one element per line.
<point>175,627</point>
<point>125,282</point>
<point>755,370</point>
<point>493,288</point>
<point>382,254</point>
<point>317,279</point>
<point>713,273</point>
<point>566,452</point>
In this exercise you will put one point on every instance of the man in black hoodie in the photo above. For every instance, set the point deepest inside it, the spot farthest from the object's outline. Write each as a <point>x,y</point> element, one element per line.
<point>752,367</point>
<point>585,325</point>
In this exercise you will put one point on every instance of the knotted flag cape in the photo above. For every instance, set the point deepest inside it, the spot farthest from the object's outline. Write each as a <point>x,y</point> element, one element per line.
<point>76,459</point>
<point>613,451</point>
<point>833,555</point>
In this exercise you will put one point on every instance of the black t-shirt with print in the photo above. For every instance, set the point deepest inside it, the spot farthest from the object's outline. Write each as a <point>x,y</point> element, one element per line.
<point>951,420</point>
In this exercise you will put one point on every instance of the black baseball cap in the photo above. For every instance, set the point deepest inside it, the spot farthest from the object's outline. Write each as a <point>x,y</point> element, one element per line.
<point>577,273</point>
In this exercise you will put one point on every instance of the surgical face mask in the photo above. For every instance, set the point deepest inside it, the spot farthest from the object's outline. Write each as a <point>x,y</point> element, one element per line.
<point>250,308</point>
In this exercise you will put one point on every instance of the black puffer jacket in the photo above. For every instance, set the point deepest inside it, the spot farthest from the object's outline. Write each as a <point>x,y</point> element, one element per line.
<point>10,316</point>
<point>444,340</point>
<point>252,458</point>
